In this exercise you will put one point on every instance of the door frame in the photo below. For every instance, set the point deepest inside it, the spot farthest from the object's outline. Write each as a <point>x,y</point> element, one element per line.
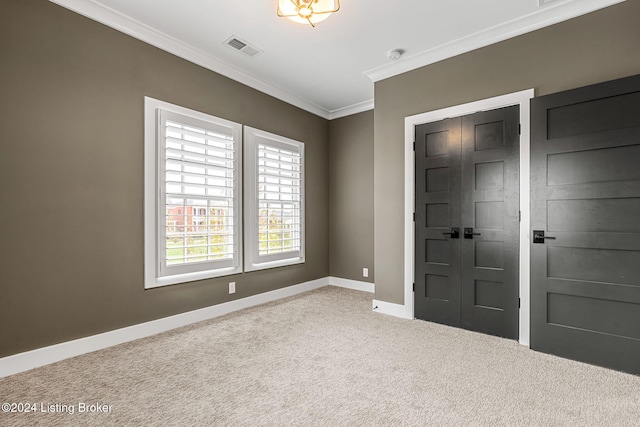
<point>521,98</point>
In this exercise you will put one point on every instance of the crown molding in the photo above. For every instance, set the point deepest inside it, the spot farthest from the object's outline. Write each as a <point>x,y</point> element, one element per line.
<point>351,109</point>
<point>546,15</point>
<point>111,18</point>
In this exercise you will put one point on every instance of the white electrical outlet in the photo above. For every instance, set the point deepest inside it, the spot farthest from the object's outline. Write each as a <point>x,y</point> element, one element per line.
<point>365,272</point>
<point>232,287</point>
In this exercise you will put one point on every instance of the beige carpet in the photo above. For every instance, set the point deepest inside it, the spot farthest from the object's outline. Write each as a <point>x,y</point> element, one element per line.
<point>323,358</point>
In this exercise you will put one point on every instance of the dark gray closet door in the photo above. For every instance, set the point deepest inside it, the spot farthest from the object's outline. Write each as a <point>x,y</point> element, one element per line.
<point>585,272</point>
<point>437,251</point>
<point>490,217</point>
<point>467,178</point>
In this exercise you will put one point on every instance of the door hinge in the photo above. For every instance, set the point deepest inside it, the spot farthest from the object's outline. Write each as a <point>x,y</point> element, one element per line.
<point>518,302</point>
<point>519,216</point>
<point>519,129</point>
<point>414,287</point>
<point>414,146</point>
<point>414,217</point>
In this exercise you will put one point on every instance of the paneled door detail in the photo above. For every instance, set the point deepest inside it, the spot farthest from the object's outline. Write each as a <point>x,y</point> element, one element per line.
<point>466,228</point>
<point>585,270</point>
<point>491,206</point>
<point>438,263</point>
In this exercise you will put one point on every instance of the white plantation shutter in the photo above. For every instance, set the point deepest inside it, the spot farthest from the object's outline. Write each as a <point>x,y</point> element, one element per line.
<point>279,200</point>
<point>274,200</point>
<point>198,211</point>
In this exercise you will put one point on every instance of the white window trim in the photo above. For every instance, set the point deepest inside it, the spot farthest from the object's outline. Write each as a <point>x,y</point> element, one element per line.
<point>153,159</point>
<point>252,260</point>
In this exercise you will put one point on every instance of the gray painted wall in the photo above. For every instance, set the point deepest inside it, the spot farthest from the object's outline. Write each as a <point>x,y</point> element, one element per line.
<point>351,196</point>
<point>600,46</point>
<point>71,174</point>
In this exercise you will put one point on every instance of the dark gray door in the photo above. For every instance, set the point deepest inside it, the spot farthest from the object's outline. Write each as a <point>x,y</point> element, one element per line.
<point>437,224</point>
<point>466,228</point>
<point>585,272</point>
<point>491,206</point>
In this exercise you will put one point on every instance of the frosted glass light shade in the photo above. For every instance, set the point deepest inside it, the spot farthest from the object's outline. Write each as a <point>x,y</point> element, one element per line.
<point>309,11</point>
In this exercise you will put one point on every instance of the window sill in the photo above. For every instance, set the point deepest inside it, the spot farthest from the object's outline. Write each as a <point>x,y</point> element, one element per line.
<point>156,282</point>
<point>274,264</point>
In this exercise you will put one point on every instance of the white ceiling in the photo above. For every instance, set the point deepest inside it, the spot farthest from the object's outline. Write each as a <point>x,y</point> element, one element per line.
<point>330,69</point>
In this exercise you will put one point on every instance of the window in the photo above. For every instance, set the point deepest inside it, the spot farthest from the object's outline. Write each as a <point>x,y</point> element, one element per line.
<point>192,195</point>
<point>274,200</point>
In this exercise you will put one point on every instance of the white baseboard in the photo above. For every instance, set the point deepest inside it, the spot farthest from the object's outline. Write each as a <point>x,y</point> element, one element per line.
<point>21,362</point>
<point>352,284</point>
<point>391,309</point>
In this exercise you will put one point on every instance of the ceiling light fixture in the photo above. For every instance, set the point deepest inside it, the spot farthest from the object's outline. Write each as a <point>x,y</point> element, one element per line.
<point>307,12</point>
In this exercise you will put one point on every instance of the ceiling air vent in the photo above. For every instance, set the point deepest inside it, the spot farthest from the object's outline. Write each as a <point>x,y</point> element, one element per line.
<point>242,46</point>
<point>545,2</point>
